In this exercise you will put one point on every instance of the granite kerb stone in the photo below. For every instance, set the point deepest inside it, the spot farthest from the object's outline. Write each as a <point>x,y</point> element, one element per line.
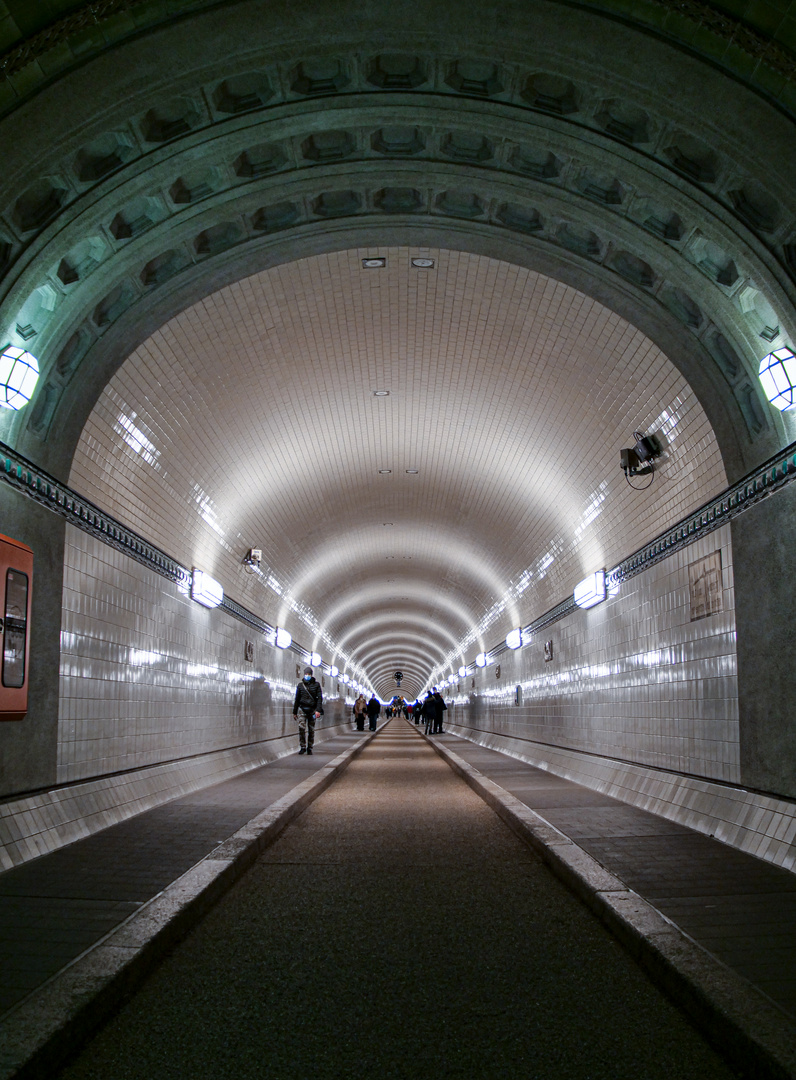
<point>740,1021</point>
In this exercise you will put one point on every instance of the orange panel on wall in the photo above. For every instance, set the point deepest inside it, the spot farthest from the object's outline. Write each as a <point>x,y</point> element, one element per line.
<point>16,589</point>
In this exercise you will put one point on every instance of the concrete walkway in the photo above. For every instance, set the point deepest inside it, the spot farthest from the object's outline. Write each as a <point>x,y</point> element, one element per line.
<point>738,907</point>
<point>81,926</point>
<point>154,877</point>
<point>399,929</point>
<point>55,907</point>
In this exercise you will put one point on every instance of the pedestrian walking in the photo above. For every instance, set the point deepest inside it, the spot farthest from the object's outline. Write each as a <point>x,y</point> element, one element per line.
<point>430,713</point>
<point>373,710</point>
<point>307,707</point>
<point>360,711</point>
<point>441,708</point>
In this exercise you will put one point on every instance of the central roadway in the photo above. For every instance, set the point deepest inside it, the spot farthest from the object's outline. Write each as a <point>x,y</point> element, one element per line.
<point>398,929</point>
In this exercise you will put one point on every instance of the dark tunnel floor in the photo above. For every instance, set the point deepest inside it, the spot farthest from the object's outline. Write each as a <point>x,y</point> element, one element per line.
<point>398,929</point>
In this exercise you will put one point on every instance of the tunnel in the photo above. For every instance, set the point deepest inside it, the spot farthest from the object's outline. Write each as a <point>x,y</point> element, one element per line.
<point>419,345</point>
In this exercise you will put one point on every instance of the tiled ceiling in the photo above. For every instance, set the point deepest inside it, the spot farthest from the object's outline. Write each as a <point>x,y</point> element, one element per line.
<point>250,420</point>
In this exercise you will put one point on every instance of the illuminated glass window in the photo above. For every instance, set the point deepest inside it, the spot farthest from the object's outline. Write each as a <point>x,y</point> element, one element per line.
<point>778,376</point>
<point>19,373</point>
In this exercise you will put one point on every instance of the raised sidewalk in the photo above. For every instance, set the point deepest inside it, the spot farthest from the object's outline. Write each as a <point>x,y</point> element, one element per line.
<point>82,926</point>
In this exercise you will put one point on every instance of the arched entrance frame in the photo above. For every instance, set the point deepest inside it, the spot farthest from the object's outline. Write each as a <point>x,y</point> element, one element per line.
<point>648,181</point>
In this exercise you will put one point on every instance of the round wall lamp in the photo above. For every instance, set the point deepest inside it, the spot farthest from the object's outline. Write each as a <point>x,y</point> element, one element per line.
<point>19,373</point>
<point>777,374</point>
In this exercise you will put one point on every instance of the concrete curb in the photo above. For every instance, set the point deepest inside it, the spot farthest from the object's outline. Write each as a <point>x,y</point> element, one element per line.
<point>39,1034</point>
<point>741,1022</point>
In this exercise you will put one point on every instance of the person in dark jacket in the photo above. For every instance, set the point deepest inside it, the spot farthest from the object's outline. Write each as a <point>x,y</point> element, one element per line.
<point>373,711</point>
<point>430,713</point>
<point>307,707</point>
<point>441,708</point>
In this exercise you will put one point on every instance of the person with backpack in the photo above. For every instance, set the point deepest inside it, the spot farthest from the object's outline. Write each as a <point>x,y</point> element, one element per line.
<point>441,708</point>
<point>373,710</point>
<point>307,707</point>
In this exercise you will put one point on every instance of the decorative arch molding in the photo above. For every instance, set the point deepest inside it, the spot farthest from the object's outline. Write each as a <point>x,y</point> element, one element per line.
<point>531,153</point>
<point>755,49</point>
<point>50,431</point>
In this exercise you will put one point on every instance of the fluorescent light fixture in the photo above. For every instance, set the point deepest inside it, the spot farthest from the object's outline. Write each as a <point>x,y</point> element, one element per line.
<point>412,472</point>
<point>384,472</point>
<point>462,672</point>
<point>19,373</point>
<point>283,638</point>
<point>480,660</point>
<point>346,679</point>
<point>591,590</point>
<point>514,639</point>
<point>381,393</point>
<point>334,671</point>
<point>777,374</point>
<point>315,659</point>
<point>205,590</point>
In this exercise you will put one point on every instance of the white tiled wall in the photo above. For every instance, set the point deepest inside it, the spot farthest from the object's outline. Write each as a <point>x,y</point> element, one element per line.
<point>633,679</point>
<point>149,676</point>
<point>156,701</point>
<point>640,703</point>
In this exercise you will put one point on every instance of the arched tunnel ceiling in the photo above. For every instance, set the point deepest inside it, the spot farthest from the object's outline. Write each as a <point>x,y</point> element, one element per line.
<point>244,135</point>
<point>200,194</point>
<point>250,420</point>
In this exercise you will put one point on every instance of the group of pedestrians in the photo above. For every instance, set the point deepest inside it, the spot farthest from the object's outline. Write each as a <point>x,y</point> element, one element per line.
<point>397,707</point>
<point>308,707</point>
<point>431,709</point>
<point>370,709</point>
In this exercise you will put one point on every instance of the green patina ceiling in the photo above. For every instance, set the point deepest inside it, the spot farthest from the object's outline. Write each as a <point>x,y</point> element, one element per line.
<point>753,39</point>
<point>658,187</point>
